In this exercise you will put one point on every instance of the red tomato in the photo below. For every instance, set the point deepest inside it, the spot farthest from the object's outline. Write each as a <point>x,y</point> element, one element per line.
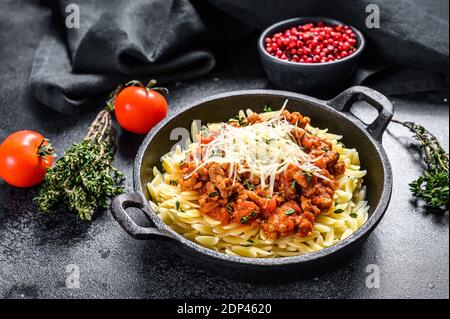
<point>21,165</point>
<point>139,109</point>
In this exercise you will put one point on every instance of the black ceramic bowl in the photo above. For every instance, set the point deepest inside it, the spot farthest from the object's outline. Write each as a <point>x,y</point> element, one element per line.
<point>333,114</point>
<point>308,77</point>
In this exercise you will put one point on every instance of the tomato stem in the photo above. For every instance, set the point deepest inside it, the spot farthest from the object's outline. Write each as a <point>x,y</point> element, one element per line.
<point>46,150</point>
<point>135,83</point>
<point>161,90</point>
<point>152,86</point>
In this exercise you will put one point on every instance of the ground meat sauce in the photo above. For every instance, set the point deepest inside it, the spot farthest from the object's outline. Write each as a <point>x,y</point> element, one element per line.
<point>298,197</point>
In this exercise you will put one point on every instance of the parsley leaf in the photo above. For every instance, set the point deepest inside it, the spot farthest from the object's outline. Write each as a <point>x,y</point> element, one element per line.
<point>290,212</point>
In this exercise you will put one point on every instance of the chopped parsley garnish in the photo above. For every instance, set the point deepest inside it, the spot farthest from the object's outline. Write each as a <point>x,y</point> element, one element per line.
<point>241,120</point>
<point>245,220</point>
<point>229,208</point>
<point>308,176</point>
<point>290,212</point>
<point>178,206</point>
<point>213,194</point>
<point>253,213</point>
<point>338,211</point>
<point>249,186</point>
<point>293,184</point>
<point>267,109</point>
<point>354,215</point>
<point>173,182</point>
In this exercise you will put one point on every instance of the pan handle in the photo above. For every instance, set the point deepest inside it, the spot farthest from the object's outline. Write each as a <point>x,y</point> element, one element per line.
<point>344,101</point>
<point>118,209</point>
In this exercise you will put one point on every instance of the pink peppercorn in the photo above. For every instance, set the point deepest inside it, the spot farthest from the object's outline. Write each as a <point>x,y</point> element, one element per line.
<point>313,43</point>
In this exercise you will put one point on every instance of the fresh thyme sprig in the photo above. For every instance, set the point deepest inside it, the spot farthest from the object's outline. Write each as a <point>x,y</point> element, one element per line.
<point>432,186</point>
<point>84,179</point>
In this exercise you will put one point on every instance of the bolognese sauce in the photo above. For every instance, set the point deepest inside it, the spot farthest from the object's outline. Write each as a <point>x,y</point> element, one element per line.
<point>282,193</point>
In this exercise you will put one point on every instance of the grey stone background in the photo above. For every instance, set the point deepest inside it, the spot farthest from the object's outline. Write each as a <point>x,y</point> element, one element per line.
<point>411,244</point>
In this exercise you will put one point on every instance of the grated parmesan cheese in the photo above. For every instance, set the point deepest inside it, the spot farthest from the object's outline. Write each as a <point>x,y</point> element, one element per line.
<point>262,149</point>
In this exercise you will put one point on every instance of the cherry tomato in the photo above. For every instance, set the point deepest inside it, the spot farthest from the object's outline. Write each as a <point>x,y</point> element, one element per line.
<point>24,158</point>
<point>139,109</point>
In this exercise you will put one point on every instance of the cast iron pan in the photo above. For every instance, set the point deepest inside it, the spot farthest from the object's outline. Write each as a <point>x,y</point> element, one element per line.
<point>334,114</point>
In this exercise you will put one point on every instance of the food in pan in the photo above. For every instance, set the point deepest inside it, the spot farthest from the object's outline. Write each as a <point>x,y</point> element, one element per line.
<point>261,185</point>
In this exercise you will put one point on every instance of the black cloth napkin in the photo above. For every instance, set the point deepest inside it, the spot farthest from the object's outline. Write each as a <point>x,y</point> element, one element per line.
<point>117,41</point>
<point>171,40</point>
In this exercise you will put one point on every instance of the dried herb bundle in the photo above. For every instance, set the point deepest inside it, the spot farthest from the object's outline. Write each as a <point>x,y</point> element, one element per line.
<point>84,179</point>
<point>432,186</point>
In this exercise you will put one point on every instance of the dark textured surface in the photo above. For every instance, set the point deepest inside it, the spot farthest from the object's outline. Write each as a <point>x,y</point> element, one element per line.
<point>411,244</point>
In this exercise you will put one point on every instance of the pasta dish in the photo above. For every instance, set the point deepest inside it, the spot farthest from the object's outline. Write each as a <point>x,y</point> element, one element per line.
<point>261,185</point>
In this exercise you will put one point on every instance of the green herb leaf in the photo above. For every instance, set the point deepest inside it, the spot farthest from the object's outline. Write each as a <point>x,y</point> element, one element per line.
<point>245,220</point>
<point>83,180</point>
<point>173,182</point>
<point>242,120</point>
<point>229,208</point>
<point>338,211</point>
<point>178,206</point>
<point>249,186</point>
<point>289,212</point>
<point>293,184</point>
<point>253,213</point>
<point>309,176</point>
<point>213,194</point>
<point>353,215</point>
<point>432,186</point>
<point>267,109</point>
